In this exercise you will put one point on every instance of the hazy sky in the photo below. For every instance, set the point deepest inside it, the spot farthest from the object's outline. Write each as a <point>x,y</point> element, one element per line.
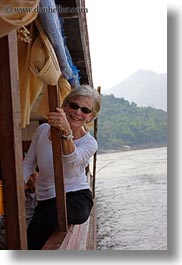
<point>126,36</point>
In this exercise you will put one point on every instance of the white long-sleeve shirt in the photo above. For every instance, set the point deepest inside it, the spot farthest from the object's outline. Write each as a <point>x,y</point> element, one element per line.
<point>40,154</point>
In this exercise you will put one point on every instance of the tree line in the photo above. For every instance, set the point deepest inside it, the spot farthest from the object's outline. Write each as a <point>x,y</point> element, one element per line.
<point>122,124</point>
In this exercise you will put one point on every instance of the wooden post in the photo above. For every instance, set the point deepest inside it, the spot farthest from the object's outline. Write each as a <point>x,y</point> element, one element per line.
<point>95,155</point>
<point>10,145</point>
<point>58,163</point>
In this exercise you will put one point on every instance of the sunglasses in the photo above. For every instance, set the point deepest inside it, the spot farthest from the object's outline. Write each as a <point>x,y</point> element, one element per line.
<point>75,106</point>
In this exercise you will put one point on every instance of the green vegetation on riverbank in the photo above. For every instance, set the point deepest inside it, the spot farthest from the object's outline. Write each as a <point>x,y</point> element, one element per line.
<point>123,125</point>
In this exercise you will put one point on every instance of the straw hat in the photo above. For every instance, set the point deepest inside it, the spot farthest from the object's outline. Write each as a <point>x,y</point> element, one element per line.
<point>43,60</point>
<point>11,20</point>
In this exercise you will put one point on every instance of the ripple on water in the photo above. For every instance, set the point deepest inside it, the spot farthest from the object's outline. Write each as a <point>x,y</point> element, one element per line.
<point>131,192</point>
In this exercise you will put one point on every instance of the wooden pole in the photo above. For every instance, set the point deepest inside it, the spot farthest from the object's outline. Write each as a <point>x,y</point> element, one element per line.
<point>95,155</point>
<point>10,145</point>
<point>58,163</point>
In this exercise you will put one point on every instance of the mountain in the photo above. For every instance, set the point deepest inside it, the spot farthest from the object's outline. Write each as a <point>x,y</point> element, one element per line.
<point>145,88</point>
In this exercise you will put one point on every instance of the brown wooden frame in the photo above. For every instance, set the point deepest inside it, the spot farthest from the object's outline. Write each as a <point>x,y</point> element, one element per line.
<point>11,147</point>
<point>11,142</point>
<point>58,163</point>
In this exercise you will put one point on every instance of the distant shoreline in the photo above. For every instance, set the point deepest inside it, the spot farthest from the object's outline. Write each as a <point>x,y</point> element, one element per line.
<point>131,148</point>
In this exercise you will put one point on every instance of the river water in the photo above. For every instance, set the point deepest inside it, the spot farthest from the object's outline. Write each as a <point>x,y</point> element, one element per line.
<point>131,193</point>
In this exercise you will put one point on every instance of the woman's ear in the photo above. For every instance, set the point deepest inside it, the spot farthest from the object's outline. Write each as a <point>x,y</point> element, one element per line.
<point>90,118</point>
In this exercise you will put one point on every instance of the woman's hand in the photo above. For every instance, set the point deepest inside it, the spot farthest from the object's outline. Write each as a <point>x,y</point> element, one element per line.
<point>58,120</point>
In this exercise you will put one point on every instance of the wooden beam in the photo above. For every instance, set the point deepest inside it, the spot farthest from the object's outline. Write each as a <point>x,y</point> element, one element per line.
<point>69,15</point>
<point>95,155</point>
<point>92,232</point>
<point>58,163</point>
<point>11,146</point>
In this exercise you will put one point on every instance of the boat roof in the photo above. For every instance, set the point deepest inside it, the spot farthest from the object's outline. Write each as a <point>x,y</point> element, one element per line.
<point>77,39</point>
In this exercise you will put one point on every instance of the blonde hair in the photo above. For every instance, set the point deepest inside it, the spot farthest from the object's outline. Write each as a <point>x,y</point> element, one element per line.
<point>85,91</point>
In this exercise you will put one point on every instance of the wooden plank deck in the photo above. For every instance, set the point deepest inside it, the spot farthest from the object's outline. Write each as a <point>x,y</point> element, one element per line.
<point>74,239</point>
<point>78,237</point>
<point>92,232</point>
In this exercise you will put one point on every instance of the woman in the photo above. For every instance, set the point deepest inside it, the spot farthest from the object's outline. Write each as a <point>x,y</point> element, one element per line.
<point>80,107</point>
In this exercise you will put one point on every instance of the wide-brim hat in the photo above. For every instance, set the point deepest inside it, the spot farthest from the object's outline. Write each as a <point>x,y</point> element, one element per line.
<point>11,20</point>
<point>43,60</point>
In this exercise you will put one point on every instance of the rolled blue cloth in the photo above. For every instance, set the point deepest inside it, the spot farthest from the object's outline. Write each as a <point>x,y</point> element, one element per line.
<point>51,24</point>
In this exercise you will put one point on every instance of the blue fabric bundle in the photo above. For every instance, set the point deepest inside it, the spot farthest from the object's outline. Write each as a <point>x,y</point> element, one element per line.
<point>73,67</point>
<point>51,24</point>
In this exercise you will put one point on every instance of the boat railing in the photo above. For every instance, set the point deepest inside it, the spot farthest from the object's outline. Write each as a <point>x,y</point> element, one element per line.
<point>11,159</point>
